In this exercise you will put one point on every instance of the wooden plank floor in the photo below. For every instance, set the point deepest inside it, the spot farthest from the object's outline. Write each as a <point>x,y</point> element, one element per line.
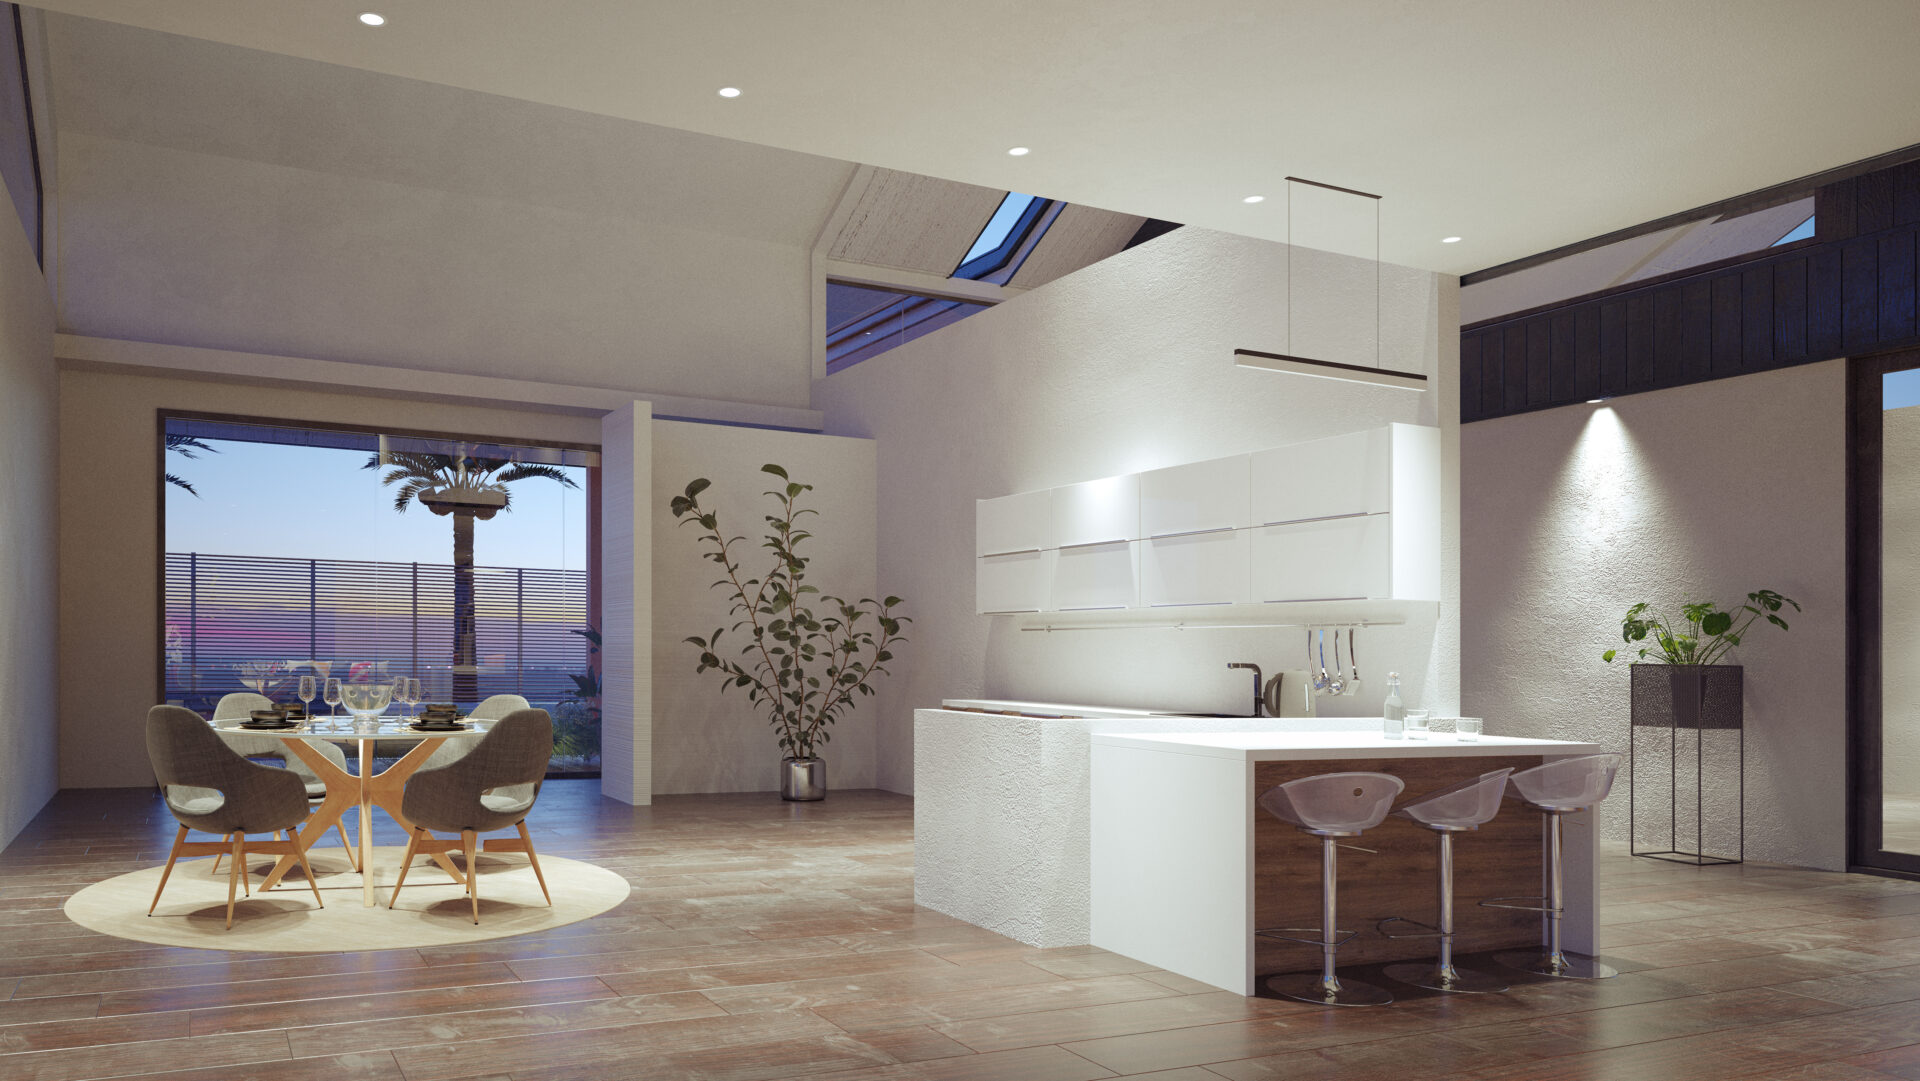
<point>766,940</point>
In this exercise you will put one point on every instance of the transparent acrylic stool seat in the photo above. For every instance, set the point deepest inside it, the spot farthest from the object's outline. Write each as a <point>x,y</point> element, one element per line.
<point>1455,809</point>
<point>1558,789</point>
<point>1329,806</point>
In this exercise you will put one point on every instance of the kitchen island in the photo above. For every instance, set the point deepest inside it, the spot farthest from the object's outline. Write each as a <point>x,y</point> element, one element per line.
<point>1185,866</point>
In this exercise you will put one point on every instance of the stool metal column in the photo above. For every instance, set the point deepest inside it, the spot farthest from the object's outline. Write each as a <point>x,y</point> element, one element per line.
<point>1455,809</point>
<point>1556,790</point>
<point>1329,806</point>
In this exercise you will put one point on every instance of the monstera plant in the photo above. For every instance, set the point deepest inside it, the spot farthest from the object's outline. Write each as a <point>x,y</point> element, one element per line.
<point>803,655</point>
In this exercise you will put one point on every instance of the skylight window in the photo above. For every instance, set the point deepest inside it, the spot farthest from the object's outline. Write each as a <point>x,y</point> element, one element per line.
<point>998,226</point>
<point>1800,232</point>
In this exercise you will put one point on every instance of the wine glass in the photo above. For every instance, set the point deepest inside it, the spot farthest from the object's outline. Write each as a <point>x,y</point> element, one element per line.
<point>307,689</point>
<point>332,699</point>
<point>400,694</point>
<point>413,696</point>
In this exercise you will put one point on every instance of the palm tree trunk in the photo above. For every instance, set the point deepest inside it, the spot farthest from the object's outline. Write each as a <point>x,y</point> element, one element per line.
<point>465,628</point>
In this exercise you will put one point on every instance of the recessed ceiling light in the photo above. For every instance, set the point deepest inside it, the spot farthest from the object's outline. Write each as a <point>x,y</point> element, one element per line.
<point>1449,240</point>
<point>1018,151</point>
<point>1595,401</point>
<point>729,91</point>
<point>373,18</point>
<point>1254,199</point>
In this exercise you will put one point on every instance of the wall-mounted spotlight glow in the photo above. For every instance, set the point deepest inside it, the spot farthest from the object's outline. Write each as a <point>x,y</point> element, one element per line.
<point>729,91</point>
<point>1449,240</point>
<point>1018,151</point>
<point>372,18</point>
<point>1254,199</point>
<point>1596,401</point>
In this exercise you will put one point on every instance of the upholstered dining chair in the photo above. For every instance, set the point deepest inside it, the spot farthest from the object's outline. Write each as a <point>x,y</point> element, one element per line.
<point>210,787</point>
<point>494,708</point>
<point>239,706</point>
<point>490,788</point>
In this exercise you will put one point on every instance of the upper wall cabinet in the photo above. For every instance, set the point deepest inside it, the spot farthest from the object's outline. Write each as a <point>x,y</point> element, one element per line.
<point>1326,478</point>
<point>1350,517</point>
<point>1095,512</point>
<point>1012,523</point>
<point>1194,498</point>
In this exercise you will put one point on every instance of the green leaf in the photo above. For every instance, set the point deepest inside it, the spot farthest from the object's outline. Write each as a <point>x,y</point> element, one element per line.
<point>1608,656</point>
<point>775,470</point>
<point>1715,624</point>
<point>696,486</point>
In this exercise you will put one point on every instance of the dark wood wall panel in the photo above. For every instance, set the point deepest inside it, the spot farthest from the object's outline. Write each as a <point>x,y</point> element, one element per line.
<point>1854,290</point>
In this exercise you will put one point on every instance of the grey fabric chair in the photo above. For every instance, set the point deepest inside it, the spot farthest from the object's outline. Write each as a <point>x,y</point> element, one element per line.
<point>239,706</point>
<point>492,787</point>
<point>492,709</point>
<point>209,787</point>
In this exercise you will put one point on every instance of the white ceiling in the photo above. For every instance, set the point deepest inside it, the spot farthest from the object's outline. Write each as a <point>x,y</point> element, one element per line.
<point>1516,124</point>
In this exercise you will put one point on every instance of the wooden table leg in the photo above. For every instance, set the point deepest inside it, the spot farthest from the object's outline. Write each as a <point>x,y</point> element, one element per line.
<point>366,823</point>
<point>388,787</point>
<point>342,788</point>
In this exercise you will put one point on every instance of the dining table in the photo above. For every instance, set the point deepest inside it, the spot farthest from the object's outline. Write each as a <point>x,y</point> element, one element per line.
<point>367,790</point>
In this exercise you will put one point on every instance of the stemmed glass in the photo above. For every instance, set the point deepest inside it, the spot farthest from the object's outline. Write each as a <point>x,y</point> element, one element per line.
<point>332,699</point>
<point>306,696</point>
<point>413,696</point>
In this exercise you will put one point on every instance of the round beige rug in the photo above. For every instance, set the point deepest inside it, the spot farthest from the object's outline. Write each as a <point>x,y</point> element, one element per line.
<point>432,910</point>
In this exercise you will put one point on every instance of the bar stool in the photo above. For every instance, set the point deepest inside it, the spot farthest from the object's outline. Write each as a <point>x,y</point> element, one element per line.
<point>1455,809</point>
<point>1329,806</point>
<point>1558,789</point>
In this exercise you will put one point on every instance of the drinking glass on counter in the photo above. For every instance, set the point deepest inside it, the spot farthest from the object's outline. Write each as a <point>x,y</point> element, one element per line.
<point>1467,729</point>
<point>1419,723</point>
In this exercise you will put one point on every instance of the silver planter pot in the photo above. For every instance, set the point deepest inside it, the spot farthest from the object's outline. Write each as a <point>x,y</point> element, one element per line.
<point>803,779</point>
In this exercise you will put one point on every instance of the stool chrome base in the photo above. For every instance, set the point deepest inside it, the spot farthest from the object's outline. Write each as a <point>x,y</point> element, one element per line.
<point>1325,992</point>
<point>1448,979</point>
<point>1570,966</point>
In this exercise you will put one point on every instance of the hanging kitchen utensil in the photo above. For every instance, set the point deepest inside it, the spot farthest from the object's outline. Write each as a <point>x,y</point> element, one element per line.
<point>1336,685</point>
<point>1353,660</point>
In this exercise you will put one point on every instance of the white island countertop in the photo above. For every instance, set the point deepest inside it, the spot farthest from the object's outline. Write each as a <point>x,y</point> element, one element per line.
<point>1299,745</point>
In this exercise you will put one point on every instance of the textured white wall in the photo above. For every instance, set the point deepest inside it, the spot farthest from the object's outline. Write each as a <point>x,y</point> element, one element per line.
<point>1900,601</point>
<point>1569,516</point>
<point>221,197</point>
<point>704,741</point>
<point>626,604</point>
<point>1125,365</point>
<point>109,540</point>
<point>28,553</point>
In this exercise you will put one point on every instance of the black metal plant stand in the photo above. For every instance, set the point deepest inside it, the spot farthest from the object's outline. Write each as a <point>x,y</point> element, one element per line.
<point>1702,698</point>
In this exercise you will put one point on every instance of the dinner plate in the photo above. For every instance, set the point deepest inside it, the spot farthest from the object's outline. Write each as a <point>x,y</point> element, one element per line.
<point>438,727</point>
<point>273,726</point>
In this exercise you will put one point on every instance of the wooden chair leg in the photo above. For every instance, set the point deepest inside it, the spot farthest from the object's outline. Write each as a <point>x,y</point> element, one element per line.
<point>470,842</point>
<point>217,857</point>
<point>171,856</point>
<point>353,860</point>
<point>307,868</point>
<point>413,842</point>
<point>535,860</point>
<point>233,871</point>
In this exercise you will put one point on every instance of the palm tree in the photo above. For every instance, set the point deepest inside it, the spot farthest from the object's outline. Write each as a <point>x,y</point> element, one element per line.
<point>186,446</point>
<point>466,486</point>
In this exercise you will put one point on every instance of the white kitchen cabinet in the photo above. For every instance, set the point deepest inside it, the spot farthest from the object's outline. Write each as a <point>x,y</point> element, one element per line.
<point>1017,582</point>
<point>1324,478</point>
<point>1012,523</point>
<point>1352,516</point>
<point>1194,498</point>
<point>1095,512</point>
<point>1325,559</point>
<point>1195,568</point>
<point>1096,576</point>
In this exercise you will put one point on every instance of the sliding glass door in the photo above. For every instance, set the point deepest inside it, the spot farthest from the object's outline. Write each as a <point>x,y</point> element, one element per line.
<point>1883,533</point>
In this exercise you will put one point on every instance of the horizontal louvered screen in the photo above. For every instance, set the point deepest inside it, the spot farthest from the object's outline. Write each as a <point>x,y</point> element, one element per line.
<point>258,623</point>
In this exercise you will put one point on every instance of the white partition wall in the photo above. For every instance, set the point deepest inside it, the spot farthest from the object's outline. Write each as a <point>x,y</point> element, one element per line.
<point>626,604</point>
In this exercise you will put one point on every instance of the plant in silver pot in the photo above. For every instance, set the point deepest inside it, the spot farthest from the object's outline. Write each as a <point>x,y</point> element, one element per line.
<point>807,654</point>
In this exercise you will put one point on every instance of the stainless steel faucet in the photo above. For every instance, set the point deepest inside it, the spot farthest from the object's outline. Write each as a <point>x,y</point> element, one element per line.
<point>1259,704</point>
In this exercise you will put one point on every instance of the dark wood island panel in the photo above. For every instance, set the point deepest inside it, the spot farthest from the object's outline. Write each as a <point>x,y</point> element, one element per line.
<point>1501,859</point>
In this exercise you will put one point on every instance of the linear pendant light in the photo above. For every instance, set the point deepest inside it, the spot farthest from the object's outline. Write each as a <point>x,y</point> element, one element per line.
<point>1378,374</point>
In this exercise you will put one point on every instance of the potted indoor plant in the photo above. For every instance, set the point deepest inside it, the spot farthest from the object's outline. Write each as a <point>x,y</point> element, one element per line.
<point>1680,680</point>
<point>806,654</point>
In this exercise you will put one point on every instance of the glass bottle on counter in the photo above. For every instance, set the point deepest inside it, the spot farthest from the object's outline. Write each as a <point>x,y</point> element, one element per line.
<point>1394,710</point>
